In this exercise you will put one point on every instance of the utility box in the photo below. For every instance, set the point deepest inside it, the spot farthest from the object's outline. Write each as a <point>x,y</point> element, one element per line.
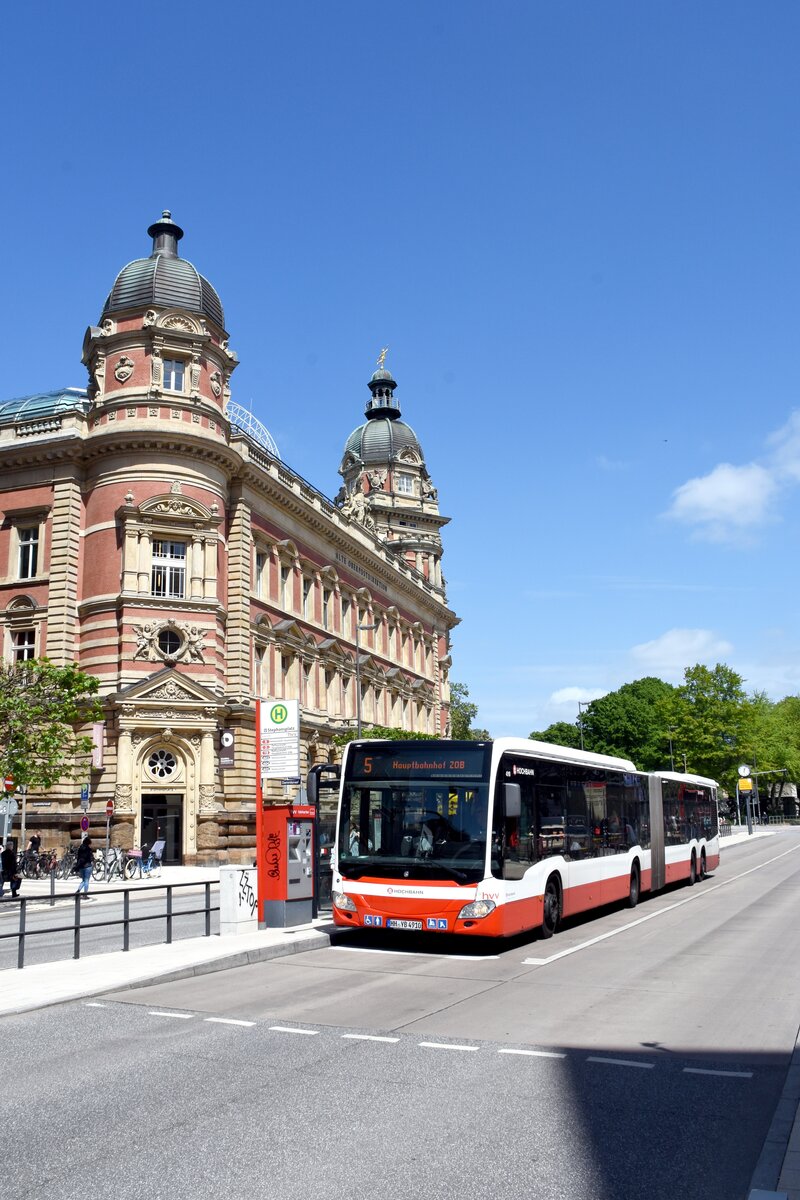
<point>285,857</point>
<point>238,900</point>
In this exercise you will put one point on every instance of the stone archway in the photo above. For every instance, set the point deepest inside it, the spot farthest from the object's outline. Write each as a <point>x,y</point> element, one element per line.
<point>165,801</point>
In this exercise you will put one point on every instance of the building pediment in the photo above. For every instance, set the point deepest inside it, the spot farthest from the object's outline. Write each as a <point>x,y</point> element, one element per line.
<point>167,684</point>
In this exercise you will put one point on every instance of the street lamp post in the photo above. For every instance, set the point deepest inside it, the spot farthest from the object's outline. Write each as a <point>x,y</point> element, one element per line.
<point>359,629</point>
<point>582,704</point>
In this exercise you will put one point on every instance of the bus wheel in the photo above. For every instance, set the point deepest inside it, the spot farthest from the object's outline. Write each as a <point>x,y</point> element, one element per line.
<point>551,907</point>
<point>633,890</point>
<point>693,870</point>
<point>703,869</point>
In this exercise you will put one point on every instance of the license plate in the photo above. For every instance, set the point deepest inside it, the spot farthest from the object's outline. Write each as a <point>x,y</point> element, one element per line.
<point>398,924</point>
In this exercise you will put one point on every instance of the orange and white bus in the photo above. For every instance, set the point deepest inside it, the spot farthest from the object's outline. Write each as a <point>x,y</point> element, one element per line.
<point>497,837</point>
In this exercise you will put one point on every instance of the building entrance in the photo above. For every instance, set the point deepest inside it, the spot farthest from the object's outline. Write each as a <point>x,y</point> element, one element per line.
<point>162,820</point>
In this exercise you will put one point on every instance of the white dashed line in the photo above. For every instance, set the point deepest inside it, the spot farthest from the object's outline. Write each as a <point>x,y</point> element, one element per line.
<point>534,1053</point>
<point>446,1046</point>
<point>368,1037</point>
<point>287,1029</point>
<point>621,1062</point>
<point>95,1004</point>
<point>227,1021</point>
<point>725,1074</point>
<point>177,1016</point>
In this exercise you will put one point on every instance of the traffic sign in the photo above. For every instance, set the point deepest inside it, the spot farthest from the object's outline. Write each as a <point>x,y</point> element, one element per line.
<point>8,783</point>
<point>8,806</point>
<point>84,824</point>
<point>109,808</point>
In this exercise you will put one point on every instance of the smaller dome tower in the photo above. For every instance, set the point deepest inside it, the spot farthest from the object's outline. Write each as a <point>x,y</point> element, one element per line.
<point>387,487</point>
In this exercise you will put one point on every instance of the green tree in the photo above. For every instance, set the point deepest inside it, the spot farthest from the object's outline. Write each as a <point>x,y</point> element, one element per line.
<point>631,723</point>
<point>41,709</point>
<point>713,723</point>
<point>382,731</point>
<point>560,733</point>
<point>462,713</point>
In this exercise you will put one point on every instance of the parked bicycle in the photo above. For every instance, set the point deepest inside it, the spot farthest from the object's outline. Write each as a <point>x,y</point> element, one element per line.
<point>146,864</point>
<point>37,864</point>
<point>66,866</point>
<point>108,864</point>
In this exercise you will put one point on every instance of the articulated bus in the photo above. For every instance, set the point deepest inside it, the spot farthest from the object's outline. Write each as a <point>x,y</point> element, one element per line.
<point>498,837</point>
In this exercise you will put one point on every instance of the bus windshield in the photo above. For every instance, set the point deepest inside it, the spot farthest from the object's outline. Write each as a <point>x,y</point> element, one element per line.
<point>411,813</point>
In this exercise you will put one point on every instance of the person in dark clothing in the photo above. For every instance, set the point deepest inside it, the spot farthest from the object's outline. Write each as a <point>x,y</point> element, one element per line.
<point>8,866</point>
<point>83,865</point>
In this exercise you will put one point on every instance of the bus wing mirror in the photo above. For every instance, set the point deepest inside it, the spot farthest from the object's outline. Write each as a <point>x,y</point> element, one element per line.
<point>512,798</point>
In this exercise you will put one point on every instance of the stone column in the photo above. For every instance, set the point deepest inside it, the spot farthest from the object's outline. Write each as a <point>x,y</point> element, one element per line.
<point>197,566</point>
<point>145,562</point>
<point>208,788</point>
<point>123,791</point>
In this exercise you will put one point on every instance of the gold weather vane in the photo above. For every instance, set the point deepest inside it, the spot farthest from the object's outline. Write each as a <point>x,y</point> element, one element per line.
<point>382,357</point>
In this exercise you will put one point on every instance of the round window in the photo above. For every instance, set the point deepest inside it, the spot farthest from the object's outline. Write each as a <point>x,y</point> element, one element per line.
<point>168,642</point>
<point>161,763</point>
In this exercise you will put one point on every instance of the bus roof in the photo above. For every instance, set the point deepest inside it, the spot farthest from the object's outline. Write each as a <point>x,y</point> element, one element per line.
<point>683,777</point>
<point>563,753</point>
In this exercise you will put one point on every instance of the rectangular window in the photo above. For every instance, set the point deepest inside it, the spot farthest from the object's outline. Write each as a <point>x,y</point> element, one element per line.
<point>261,568</point>
<point>286,591</point>
<point>173,375</point>
<point>28,551</point>
<point>308,585</point>
<point>24,644</point>
<point>326,608</point>
<point>168,577</point>
<point>404,483</point>
<point>345,614</point>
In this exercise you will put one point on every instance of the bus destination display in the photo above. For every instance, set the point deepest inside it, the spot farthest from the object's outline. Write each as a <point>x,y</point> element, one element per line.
<point>418,763</point>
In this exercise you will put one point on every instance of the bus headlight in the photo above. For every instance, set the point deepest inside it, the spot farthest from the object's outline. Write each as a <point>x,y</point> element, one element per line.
<point>478,908</point>
<point>343,901</point>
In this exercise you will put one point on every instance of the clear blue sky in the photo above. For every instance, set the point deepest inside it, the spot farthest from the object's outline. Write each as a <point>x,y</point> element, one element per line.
<point>575,226</point>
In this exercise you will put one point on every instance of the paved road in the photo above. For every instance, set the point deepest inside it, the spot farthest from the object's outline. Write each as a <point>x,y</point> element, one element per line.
<point>635,1054</point>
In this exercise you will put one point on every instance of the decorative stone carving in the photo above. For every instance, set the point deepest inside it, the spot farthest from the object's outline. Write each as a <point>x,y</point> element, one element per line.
<point>215,379</point>
<point>99,377</point>
<point>107,327</point>
<point>194,374</point>
<point>355,507</point>
<point>149,318</point>
<point>123,797</point>
<point>167,735</point>
<point>170,691</point>
<point>208,796</point>
<point>376,479</point>
<point>124,368</point>
<point>131,412</point>
<point>429,492</point>
<point>156,369</point>
<point>177,322</point>
<point>176,489</point>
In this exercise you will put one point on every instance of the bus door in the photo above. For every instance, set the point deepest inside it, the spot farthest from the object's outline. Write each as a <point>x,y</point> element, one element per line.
<point>657,856</point>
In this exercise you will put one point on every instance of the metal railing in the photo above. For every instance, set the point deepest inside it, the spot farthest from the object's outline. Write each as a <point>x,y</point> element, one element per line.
<point>126,920</point>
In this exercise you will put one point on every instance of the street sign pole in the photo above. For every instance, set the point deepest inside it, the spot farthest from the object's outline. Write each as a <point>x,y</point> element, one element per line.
<point>109,815</point>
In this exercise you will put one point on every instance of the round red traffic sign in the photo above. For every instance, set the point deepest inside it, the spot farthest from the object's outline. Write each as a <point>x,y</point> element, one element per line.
<point>84,824</point>
<point>8,783</point>
<point>109,808</point>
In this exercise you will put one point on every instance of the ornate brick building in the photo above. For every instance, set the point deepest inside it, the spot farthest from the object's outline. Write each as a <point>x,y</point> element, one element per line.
<point>152,534</point>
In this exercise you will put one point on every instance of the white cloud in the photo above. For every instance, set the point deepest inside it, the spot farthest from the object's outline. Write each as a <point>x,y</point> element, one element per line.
<point>571,695</point>
<point>677,649</point>
<point>785,447</point>
<point>728,502</point>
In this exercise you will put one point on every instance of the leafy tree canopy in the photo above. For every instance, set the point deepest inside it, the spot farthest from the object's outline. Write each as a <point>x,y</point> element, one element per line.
<point>560,733</point>
<point>41,707</point>
<point>381,731</point>
<point>462,713</point>
<point>631,723</point>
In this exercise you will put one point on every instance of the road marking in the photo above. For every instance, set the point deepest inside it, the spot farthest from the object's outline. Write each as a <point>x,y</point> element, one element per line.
<point>95,1004</point>
<point>287,1029</point>
<point>698,895</point>
<point>725,1074</point>
<point>177,1016</point>
<point>369,1037</point>
<point>621,1062</point>
<point>446,1046</point>
<point>534,1053</point>
<point>227,1021</point>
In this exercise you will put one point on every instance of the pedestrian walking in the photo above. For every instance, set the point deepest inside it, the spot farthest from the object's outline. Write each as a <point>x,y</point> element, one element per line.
<point>8,869</point>
<point>83,865</point>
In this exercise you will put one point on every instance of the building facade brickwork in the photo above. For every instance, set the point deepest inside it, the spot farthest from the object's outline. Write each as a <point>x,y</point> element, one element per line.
<point>168,551</point>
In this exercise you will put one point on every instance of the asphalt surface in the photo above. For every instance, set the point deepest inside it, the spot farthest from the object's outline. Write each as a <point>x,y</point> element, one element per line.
<point>636,1053</point>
